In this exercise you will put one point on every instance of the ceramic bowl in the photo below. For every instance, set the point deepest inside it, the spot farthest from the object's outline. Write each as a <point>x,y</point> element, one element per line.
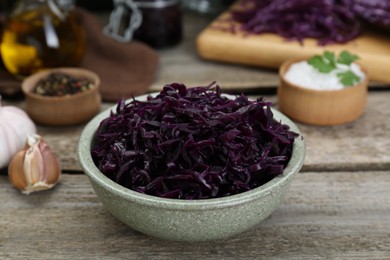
<point>188,220</point>
<point>62,110</point>
<point>321,107</point>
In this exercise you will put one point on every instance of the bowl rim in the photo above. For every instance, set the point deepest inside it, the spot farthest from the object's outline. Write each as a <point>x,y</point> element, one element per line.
<point>27,90</point>
<point>95,175</point>
<point>286,64</point>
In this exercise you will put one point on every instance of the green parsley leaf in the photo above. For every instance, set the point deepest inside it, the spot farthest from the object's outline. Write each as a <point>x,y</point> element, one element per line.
<point>330,58</point>
<point>323,64</point>
<point>348,78</point>
<point>346,58</point>
<point>327,62</point>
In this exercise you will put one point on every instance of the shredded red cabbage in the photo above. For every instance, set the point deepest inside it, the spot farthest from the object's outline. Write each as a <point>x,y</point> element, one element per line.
<point>375,12</point>
<point>192,143</point>
<point>328,21</point>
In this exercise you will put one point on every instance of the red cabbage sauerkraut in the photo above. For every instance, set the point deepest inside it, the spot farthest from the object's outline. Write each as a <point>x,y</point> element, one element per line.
<point>192,143</point>
<point>328,21</point>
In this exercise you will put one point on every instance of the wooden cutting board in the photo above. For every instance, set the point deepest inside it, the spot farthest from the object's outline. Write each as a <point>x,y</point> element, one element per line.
<point>270,50</point>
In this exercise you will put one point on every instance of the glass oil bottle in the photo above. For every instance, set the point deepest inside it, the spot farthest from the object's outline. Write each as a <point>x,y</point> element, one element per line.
<point>41,34</point>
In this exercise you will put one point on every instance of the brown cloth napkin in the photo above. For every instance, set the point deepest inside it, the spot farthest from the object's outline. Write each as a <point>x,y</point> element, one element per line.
<point>125,69</point>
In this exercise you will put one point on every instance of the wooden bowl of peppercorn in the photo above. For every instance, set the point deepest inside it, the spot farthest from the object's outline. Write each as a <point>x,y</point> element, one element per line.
<point>62,96</point>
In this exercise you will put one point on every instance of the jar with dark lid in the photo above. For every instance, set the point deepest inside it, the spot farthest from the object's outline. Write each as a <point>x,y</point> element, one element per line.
<point>157,23</point>
<point>161,24</point>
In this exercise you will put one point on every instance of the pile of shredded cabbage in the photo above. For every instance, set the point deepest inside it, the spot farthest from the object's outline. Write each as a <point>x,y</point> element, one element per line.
<point>328,21</point>
<point>192,143</point>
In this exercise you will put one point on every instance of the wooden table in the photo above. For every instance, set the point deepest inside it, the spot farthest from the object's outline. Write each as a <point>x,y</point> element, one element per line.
<point>337,207</point>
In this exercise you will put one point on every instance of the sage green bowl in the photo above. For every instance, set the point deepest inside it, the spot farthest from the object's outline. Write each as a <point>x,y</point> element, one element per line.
<point>188,220</point>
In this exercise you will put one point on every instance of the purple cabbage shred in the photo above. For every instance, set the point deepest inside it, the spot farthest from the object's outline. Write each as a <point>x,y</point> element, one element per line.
<point>192,143</point>
<point>374,12</point>
<point>328,21</point>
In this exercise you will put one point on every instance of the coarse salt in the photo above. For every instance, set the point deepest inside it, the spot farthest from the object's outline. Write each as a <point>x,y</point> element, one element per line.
<point>305,75</point>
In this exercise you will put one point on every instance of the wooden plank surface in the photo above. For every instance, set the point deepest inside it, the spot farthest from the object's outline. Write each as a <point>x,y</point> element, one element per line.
<point>346,216</point>
<point>337,208</point>
<point>271,50</point>
<point>361,145</point>
<point>183,64</point>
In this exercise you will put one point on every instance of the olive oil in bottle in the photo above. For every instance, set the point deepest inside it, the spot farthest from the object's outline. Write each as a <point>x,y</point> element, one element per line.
<point>40,34</point>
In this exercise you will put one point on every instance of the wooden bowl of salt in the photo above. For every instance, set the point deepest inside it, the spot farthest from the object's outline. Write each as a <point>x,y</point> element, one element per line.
<point>317,101</point>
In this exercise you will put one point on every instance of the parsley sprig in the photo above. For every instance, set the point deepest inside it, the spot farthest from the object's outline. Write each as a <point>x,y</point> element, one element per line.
<point>328,61</point>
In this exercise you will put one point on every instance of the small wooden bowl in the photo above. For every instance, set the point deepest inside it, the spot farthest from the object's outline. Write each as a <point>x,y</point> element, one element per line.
<point>321,107</point>
<point>63,110</point>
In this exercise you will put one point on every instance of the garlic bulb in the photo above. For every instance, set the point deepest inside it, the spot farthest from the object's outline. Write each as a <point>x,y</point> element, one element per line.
<point>35,168</point>
<point>15,125</point>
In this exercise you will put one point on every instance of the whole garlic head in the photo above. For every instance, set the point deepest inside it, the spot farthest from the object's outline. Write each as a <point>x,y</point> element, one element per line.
<point>35,168</point>
<point>15,125</point>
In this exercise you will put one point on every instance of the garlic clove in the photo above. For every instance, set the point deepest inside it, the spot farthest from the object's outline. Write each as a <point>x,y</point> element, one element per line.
<point>17,180</point>
<point>51,163</point>
<point>35,168</point>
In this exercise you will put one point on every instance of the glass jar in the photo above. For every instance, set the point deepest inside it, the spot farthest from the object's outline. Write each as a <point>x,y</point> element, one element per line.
<point>157,23</point>
<point>161,24</point>
<point>41,34</point>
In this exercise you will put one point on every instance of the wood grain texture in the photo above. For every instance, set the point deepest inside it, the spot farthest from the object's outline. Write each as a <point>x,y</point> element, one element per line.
<point>361,145</point>
<point>270,50</point>
<point>338,207</point>
<point>182,64</point>
<point>346,216</point>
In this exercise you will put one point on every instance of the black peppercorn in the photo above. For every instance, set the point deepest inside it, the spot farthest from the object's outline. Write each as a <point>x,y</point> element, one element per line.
<point>59,84</point>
